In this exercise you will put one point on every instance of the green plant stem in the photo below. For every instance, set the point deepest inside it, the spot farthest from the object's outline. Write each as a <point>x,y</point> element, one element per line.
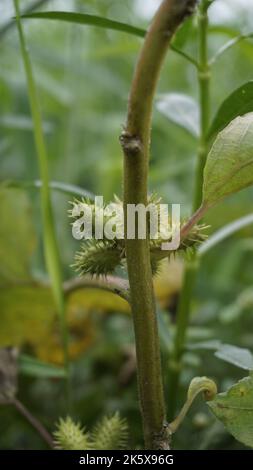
<point>180,335</point>
<point>204,97</point>
<point>135,141</point>
<point>183,312</point>
<point>51,250</point>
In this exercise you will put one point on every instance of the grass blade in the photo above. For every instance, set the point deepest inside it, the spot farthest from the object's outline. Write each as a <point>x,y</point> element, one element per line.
<point>92,20</point>
<point>228,46</point>
<point>51,250</point>
<point>225,232</point>
<point>65,188</point>
<point>101,22</point>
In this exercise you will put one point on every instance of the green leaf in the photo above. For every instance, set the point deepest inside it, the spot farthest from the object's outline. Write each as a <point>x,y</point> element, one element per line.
<point>239,357</point>
<point>92,20</point>
<point>238,103</point>
<point>228,45</point>
<point>66,188</point>
<point>234,311</point>
<point>213,344</point>
<point>184,32</point>
<point>230,161</point>
<point>182,110</point>
<point>224,30</point>
<point>101,22</point>
<point>224,233</point>
<point>235,409</point>
<point>31,366</point>
<point>22,123</point>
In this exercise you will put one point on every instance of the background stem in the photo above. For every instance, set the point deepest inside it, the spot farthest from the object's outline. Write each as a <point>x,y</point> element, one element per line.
<point>34,422</point>
<point>135,142</point>
<point>204,98</point>
<point>190,273</point>
<point>51,250</point>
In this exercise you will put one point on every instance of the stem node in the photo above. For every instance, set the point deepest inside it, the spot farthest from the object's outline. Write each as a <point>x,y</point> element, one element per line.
<point>131,144</point>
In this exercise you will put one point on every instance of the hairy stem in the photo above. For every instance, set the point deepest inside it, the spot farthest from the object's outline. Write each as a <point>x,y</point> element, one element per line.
<point>135,142</point>
<point>190,273</point>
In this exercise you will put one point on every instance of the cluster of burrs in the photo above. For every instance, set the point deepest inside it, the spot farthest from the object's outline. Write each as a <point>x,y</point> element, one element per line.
<point>101,257</point>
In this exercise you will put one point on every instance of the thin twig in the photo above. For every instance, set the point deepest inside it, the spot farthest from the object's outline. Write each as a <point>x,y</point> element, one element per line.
<point>34,422</point>
<point>113,284</point>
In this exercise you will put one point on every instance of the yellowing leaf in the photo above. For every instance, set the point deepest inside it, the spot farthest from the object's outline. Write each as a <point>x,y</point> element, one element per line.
<point>26,314</point>
<point>95,299</point>
<point>168,282</point>
<point>28,317</point>
<point>235,409</point>
<point>17,236</point>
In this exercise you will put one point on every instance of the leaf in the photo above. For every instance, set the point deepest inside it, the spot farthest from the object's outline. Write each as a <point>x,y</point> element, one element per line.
<point>239,357</point>
<point>228,45</point>
<point>224,233</point>
<point>92,20</point>
<point>101,22</point>
<point>230,161</point>
<point>213,344</point>
<point>22,123</point>
<point>28,317</point>
<point>17,236</point>
<point>224,30</point>
<point>235,409</point>
<point>183,33</point>
<point>65,188</point>
<point>238,103</point>
<point>31,366</point>
<point>182,110</point>
<point>27,314</point>
<point>234,311</point>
